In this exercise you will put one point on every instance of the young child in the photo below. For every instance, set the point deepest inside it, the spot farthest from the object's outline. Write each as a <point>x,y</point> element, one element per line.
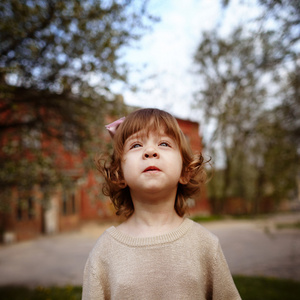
<point>156,253</point>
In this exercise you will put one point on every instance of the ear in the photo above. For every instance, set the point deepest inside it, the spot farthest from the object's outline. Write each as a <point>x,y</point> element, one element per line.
<point>185,177</point>
<point>183,180</point>
<point>123,184</point>
<point>121,181</point>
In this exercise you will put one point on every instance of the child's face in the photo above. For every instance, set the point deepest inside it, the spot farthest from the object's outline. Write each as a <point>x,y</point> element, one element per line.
<point>151,163</point>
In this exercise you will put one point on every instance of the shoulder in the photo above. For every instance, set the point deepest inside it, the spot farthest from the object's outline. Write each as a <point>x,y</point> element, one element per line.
<point>199,230</point>
<point>199,235</point>
<point>102,247</point>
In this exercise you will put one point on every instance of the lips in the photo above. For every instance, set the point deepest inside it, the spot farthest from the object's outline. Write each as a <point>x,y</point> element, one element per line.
<point>151,169</point>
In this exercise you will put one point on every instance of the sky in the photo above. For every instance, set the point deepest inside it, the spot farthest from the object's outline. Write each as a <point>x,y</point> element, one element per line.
<point>162,61</point>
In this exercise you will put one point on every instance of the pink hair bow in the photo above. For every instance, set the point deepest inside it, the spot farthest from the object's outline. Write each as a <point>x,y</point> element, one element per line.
<point>112,127</point>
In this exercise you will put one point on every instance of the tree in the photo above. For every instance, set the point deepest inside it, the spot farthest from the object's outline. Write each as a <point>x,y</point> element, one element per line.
<point>58,60</point>
<point>274,157</point>
<point>229,69</point>
<point>243,76</point>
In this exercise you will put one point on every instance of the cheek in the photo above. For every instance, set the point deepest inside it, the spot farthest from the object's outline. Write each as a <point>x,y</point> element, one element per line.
<point>176,166</point>
<point>124,166</point>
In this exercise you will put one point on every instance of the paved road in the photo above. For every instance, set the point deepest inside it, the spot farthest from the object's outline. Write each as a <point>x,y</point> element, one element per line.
<point>251,248</point>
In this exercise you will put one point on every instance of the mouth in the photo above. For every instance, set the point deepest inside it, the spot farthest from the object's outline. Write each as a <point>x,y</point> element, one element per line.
<point>151,169</point>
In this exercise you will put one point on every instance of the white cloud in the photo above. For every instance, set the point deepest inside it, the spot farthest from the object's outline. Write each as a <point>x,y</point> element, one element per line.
<point>167,52</point>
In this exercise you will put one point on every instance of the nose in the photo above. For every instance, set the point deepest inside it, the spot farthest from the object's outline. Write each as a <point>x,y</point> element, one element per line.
<point>151,152</point>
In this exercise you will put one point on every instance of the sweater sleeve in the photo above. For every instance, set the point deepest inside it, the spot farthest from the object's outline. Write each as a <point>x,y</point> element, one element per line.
<point>92,288</point>
<point>223,284</point>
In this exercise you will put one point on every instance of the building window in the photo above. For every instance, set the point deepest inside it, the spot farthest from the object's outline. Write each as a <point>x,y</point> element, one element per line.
<point>25,206</point>
<point>68,203</point>
<point>65,203</point>
<point>73,203</point>
<point>30,208</point>
<point>70,139</point>
<point>19,210</point>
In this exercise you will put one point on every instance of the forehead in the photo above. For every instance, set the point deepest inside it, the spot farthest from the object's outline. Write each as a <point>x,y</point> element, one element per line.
<point>144,127</point>
<point>142,134</point>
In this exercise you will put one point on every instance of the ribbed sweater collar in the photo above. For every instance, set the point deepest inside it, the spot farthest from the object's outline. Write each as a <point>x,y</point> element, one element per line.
<point>151,241</point>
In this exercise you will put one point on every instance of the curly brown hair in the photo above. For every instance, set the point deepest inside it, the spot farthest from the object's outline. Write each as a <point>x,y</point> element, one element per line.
<point>153,120</point>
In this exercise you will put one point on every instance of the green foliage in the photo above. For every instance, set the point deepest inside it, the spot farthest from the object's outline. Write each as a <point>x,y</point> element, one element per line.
<point>295,225</point>
<point>209,218</point>
<point>250,90</point>
<point>59,44</point>
<point>58,60</point>
<point>40,293</point>
<point>260,288</point>
<point>250,288</point>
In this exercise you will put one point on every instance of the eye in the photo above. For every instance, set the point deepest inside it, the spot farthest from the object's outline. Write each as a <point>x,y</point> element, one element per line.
<point>164,144</point>
<point>135,145</point>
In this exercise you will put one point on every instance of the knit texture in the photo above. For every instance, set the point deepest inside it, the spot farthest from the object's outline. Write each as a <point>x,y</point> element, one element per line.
<point>186,263</point>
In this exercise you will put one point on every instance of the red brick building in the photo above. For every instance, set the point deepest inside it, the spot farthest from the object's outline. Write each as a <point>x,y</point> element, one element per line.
<point>69,206</point>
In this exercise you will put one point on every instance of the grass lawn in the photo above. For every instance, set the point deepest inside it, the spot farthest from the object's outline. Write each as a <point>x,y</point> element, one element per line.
<point>262,288</point>
<point>250,288</point>
<point>40,293</point>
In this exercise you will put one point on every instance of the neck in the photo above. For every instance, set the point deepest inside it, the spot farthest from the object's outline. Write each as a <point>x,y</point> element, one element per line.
<point>154,206</point>
<point>146,224</point>
<point>152,217</point>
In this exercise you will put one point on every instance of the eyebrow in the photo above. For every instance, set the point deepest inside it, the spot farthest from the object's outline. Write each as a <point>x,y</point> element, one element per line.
<point>134,136</point>
<point>139,135</point>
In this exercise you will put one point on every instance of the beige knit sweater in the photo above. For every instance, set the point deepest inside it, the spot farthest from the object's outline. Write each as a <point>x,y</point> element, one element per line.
<point>187,263</point>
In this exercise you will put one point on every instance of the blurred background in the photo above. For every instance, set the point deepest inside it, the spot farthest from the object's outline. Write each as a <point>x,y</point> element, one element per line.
<point>229,70</point>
